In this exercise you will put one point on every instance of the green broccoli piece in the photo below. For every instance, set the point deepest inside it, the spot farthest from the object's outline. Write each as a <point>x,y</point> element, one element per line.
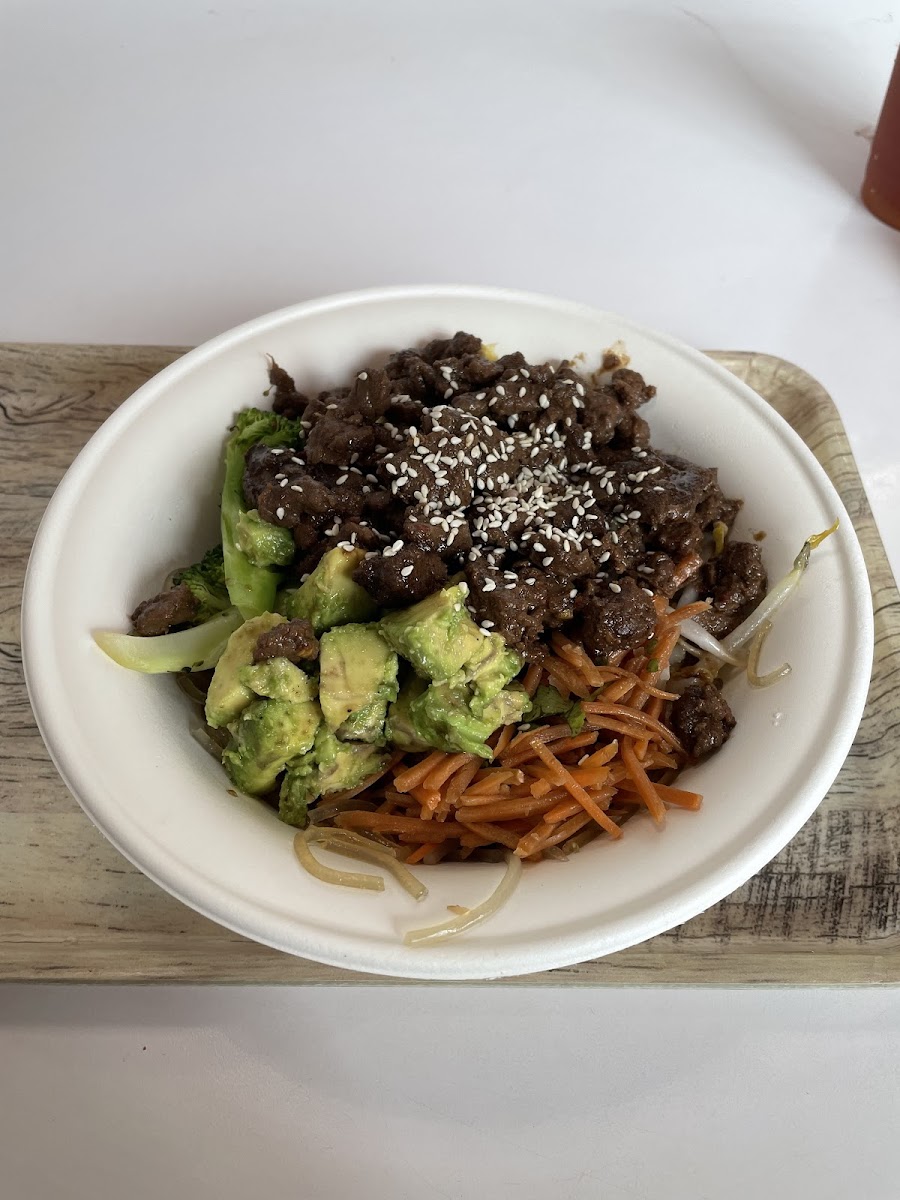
<point>206,581</point>
<point>264,545</point>
<point>251,588</point>
<point>196,649</point>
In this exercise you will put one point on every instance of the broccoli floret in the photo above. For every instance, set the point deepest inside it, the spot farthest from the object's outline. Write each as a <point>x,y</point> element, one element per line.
<point>206,580</point>
<point>265,545</point>
<point>196,649</point>
<point>251,588</point>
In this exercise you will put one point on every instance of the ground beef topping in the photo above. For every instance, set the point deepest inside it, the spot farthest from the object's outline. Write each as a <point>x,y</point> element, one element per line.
<point>293,640</point>
<point>446,462</point>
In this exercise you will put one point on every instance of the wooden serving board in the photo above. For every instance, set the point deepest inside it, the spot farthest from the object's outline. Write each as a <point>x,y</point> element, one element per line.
<point>826,910</point>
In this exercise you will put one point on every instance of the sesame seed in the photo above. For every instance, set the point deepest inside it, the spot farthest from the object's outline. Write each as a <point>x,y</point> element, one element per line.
<point>634,515</point>
<point>341,479</point>
<point>363,375</point>
<point>487,624</point>
<point>279,513</point>
<point>614,587</point>
<point>406,571</point>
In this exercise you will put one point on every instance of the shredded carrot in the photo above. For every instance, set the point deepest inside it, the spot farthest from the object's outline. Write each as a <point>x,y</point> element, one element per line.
<point>686,613</point>
<point>420,851</point>
<point>577,791</point>
<point>671,795</point>
<point>532,679</point>
<point>643,786</point>
<point>438,777</point>
<point>414,775</point>
<point>505,810</point>
<point>492,833</point>
<point>635,715</point>
<point>688,566</point>
<point>460,781</point>
<point>573,680</point>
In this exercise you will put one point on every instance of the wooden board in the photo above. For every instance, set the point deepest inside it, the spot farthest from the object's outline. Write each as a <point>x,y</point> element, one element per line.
<point>826,910</point>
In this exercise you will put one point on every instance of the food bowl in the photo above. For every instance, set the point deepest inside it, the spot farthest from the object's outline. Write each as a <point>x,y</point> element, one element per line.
<point>143,495</point>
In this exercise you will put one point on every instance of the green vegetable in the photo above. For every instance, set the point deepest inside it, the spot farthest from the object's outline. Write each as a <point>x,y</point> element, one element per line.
<point>279,679</point>
<point>547,702</point>
<point>399,728</point>
<point>251,588</point>
<point>227,695</point>
<point>330,597</point>
<point>491,667</point>
<point>194,649</point>
<point>331,766</point>
<point>268,734</point>
<point>358,679</point>
<point>443,717</point>
<point>206,581</point>
<point>653,665</point>
<point>264,545</point>
<point>437,635</point>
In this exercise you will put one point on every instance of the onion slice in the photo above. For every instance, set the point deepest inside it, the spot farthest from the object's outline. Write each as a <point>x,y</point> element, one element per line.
<point>693,632</point>
<point>481,912</point>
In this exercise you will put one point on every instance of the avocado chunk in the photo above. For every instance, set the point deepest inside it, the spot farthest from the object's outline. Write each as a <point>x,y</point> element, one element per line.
<point>332,766</point>
<point>547,702</point>
<point>399,727</point>
<point>264,545</point>
<point>228,696</point>
<point>266,736</point>
<point>491,667</point>
<point>437,635</point>
<point>279,679</point>
<point>357,681</point>
<point>330,597</point>
<point>448,717</point>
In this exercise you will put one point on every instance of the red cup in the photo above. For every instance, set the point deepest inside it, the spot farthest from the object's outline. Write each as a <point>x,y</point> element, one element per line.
<point>881,186</point>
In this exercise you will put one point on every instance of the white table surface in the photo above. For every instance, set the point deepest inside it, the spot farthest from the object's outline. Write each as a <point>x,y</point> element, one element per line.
<point>170,169</point>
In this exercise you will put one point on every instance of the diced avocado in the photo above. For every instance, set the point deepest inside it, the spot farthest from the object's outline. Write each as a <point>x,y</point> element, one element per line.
<point>330,597</point>
<point>268,734</point>
<point>443,717</point>
<point>228,696</point>
<point>279,679</point>
<point>331,766</point>
<point>265,545</point>
<point>437,635</point>
<point>399,728</point>
<point>491,667</point>
<point>357,681</point>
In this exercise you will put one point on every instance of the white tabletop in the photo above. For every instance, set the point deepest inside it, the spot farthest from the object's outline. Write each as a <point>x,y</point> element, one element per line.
<point>170,169</point>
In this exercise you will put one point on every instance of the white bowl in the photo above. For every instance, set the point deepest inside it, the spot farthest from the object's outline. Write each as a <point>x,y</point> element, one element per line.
<point>142,497</point>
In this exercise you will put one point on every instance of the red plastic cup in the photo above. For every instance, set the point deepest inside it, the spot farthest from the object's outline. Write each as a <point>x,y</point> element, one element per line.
<point>881,186</point>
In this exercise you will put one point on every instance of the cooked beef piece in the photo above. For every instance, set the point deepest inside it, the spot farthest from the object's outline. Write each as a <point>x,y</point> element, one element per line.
<point>448,536</point>
<point>630,388</point>
<point>177,606</point>
<point>456,347</point>
<point>337,442</point>
<point>395,580</point>
<point>702,718</point>
<point>616,616</point>
<point>265,465</point>
<point>294,640</point>
<point>370,396</point>
<point>506,603</point>
<point>655,571</point>
<point>736,581</point>
<point>286,399</point>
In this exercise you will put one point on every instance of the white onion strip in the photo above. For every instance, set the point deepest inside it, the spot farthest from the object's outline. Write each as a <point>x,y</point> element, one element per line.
<point>481,912</point>
<point>694,633</point>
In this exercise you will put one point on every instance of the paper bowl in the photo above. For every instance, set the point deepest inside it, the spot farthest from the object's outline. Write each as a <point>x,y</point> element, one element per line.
<point>142,497</point>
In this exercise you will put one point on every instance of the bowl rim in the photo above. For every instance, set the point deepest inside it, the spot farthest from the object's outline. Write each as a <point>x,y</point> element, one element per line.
<point>356,951</point>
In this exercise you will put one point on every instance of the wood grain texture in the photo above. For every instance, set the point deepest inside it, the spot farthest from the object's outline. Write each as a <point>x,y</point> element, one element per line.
<point>826,910</point>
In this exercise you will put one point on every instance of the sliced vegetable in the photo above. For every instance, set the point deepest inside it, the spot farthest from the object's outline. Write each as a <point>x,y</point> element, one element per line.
<point>194,649</point>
